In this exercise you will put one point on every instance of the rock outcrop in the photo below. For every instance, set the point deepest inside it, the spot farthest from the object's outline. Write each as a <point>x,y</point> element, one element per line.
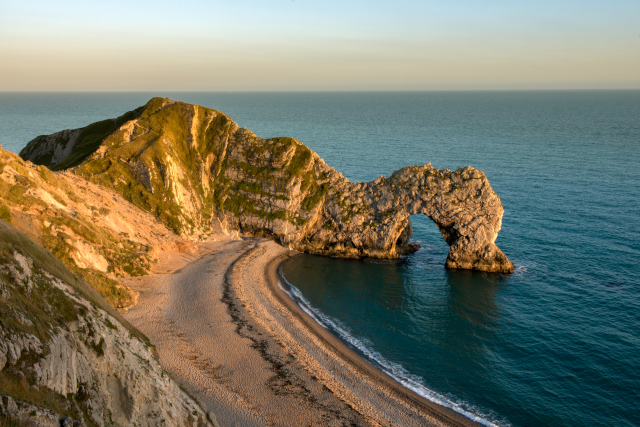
<point>198,172</point>
<point>66,355</point>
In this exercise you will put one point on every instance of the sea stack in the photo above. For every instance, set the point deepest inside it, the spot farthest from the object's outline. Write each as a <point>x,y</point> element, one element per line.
<point>199,172</point>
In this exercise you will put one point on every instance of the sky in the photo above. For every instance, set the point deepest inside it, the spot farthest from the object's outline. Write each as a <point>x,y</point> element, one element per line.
<point>304,45</point>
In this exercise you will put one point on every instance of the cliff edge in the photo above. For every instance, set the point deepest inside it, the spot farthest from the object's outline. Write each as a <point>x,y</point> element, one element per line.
<point>66,355</point>
<point>199,172</point>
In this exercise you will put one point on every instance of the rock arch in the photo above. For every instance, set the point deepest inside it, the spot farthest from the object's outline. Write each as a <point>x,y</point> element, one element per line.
<point>373,219</point>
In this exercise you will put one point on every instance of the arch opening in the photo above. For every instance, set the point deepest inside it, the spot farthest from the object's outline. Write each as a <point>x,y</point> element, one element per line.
<point>427,237</point>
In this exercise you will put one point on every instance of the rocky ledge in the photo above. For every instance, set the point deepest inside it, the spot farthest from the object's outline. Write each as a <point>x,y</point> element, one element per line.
<point>199,172</point>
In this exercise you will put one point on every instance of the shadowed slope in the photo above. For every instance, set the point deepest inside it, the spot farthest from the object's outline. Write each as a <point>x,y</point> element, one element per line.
<point>65,352</point>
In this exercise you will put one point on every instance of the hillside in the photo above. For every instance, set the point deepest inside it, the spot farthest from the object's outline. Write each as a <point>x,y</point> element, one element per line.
<point>198,172</point>
<point>65,353</point>
<point>92,230</point>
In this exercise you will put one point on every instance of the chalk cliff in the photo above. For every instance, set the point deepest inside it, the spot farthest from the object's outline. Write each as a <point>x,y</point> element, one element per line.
<point>66,355</point>
<point>198,172</point>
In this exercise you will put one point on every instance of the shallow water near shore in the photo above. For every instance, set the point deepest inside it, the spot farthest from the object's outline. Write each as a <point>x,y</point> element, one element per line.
<point>554,343</point>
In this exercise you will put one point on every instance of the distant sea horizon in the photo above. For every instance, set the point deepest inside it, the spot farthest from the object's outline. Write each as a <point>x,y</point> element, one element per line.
<point>554,343</point>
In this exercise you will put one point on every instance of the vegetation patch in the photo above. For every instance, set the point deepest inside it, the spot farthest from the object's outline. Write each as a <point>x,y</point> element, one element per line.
<point>299,160</point>
<point>98,348</point>
<point>111,326</point>
<point>11,384</point>
<point>5,213</point>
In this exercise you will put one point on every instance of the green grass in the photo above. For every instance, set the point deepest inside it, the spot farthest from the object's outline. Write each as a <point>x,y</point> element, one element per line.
<point>5,213</point>
<point>299,160</point>
<point>315,195</point>
<point>97,348</point>
<point>16,194</point>
<point>91,137</point>
<point>10,422</point>
<point>111,326</point>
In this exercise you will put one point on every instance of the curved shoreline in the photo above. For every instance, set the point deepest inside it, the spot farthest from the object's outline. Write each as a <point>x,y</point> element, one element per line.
<point>231,337</point>
<point>435,410</point>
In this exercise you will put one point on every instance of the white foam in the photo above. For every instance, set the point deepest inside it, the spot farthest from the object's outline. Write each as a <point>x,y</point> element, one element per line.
<point>394,370</point>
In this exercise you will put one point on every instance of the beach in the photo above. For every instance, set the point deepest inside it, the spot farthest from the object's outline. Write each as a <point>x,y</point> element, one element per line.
<point>232,338</point>
<point>553,343</point>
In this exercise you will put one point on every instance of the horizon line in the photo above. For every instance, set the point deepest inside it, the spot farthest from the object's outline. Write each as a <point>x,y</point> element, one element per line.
<point>333,90</point>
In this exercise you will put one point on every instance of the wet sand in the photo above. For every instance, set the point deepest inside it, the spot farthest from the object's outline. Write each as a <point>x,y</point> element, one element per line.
<point>232,338</point>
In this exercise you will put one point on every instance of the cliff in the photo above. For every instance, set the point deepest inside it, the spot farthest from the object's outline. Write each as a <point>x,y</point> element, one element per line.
<point>94,232</point>
<point>66,355</point>
<point>198,172</point>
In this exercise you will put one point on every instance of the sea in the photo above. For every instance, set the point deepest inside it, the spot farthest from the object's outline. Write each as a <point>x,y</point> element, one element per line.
<point>556,342</point>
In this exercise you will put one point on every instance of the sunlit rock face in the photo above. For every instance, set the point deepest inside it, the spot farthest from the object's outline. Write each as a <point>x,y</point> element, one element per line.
<point>199,173</point>
<point>373,219</point>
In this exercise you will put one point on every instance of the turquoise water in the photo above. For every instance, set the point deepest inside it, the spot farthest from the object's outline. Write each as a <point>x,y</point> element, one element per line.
<point>555,343</point>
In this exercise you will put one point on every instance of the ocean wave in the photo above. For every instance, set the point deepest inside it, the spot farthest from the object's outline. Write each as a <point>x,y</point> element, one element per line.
<point>524,268</point>
<point>394,370</point>
<point>520,270</point>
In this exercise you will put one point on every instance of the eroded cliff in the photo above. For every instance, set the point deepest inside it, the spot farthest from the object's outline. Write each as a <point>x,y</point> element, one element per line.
<point>94,232</point>
<point>65,353</point>
<point>197,171</point>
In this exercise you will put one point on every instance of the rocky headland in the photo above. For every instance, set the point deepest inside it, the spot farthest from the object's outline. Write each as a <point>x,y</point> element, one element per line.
<point>85,213</point>
<point>199,173</point>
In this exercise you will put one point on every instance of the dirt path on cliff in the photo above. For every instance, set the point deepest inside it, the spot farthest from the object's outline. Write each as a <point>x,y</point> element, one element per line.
<point>223,333</point>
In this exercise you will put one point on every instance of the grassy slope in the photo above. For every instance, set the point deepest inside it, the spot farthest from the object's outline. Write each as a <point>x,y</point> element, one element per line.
<point>129,257</point>
<point>160,136</point>
<point>87,143</point>
<point>163,136</point>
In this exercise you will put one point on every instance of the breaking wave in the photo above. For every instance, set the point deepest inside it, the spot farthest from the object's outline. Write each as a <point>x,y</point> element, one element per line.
<point>394,370</point>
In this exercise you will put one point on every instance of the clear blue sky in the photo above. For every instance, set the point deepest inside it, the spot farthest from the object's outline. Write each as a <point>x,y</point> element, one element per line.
<point>319,45</point>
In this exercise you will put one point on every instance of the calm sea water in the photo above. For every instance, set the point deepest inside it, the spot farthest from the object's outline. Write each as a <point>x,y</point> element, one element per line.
<point>555,343</point>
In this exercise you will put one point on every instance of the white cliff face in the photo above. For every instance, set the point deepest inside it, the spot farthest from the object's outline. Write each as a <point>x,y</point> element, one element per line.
<point>198,171</point>
<point>58,346</point>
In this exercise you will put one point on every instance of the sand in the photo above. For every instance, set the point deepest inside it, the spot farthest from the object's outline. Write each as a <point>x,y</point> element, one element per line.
<point>229,335</point>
